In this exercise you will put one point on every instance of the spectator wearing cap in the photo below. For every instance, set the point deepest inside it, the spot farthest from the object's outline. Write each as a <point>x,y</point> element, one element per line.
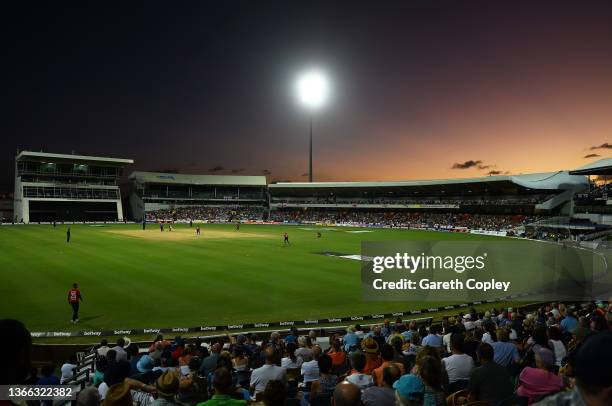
<point>540,381</point>
<point>167,386</point>
<point>490,382</point>
<point>357,375</point>
<point>383,394</point>
<point>387,354</point>
<point>593,375</point>
<point>506,353</point>
<point>118,394</point>
<point>468,323</point>
<point>269,371</point>
<point>409,390</point>
<point>372,353</point>
<point>145,364</point>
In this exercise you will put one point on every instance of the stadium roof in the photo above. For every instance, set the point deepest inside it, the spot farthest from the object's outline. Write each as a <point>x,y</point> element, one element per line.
<point>185,179</point>
<point>42,156</point>
<point>539,181</point>
<point>600,167</point>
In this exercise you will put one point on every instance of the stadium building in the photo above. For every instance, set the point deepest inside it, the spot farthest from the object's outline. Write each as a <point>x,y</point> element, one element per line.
<point>63,187</point>
<point>152,193</point>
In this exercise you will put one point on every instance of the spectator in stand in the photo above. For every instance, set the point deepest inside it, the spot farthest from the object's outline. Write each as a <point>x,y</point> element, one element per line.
<point>133,358</point>
<point>459,365</point>
<point>326,382</point>
<point>357,375</point>
<point>433,339</point>
<point>372,353</point>
<point>350,339</point>
<point>434,379</point>
<point>490,382</point>
<point>383,395</point>
<point>538,382</point>
<point>378,337</point>
<point>179,346</point>
<point>167,386</point>
<point>490,336</point>
<point>68,369</point>
<point>158,350</point>
<point>122,344</point>
<point>304,352</point>
<point>292,336</point>
<point>118,395</point>
<point>557,346</point>
<point>159,340</point>
<point>387,354</point>
<point>338,357</point>
<point>88,397</point>
<point>409,391</point>
<point>346,394</point>
<point>275,394</point>
<point>593,375</point>
<point>47,377</point>
<point>310,369</point>
<point>569,322</point>
<point>506,353</point>
<point>210,363</point>
<point>224,388</point>
<point>269,371</point>
<point>103,348</point>
<point>290,361</point>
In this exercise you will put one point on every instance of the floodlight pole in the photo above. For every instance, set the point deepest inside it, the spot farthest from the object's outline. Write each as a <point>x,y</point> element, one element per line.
<point>310,156</point>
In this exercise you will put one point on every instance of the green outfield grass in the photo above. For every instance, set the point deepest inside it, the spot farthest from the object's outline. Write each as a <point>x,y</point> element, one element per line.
<point>137,279</point>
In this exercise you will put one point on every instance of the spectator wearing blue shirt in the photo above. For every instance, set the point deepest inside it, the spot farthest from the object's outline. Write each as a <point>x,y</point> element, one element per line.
<point>47,377</point>
<point>432,339</point>
<point>569,323</point>
<point>505,353</point>
<point>350,339</point>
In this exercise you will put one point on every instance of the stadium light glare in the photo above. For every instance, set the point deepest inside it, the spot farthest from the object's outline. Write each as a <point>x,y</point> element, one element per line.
<point>312,88</point>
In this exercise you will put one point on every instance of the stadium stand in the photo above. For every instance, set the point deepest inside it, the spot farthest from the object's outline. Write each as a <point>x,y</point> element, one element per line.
<point>167,196</point>
<point>553,353</point>
<point>66,187</point>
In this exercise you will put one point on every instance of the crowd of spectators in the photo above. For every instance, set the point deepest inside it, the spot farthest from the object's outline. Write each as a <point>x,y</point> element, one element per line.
<point>596,192</point>
<point>559,354</point>
<point>463,201</point>
<point>404,219</point>
<point>207,213</point>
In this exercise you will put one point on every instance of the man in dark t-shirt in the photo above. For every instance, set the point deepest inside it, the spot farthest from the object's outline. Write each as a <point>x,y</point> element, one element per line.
<point>489,382</point>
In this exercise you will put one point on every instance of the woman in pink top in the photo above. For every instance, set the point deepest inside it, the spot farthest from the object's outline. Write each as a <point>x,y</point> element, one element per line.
<point>537,382</point>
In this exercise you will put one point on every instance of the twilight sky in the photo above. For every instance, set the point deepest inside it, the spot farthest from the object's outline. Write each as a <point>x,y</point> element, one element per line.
<point>421,89</point>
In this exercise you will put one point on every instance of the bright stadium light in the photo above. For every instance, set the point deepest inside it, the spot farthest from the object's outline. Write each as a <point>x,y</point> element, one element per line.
<point>312,88</point>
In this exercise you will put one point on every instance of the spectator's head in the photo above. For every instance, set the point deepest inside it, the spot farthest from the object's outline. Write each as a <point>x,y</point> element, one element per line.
<point>370,346</point>
<point>120,342</point>
<point>409,390</point>
<point>545,359</point>
<point>316,352</point>
<point>88,397</point>
<point>275,393</point>
<point>485,352</point>
<point>457,342</point>
<point>358,361</point>
<point>270,355</point>
<point>503,335</point>
<point>216,348</point>
<point>313,335</point>
<point>111,356</point>
<point>222,381</point>
<point>103,343</point>
<point>167,385</point>
<point>554,333</point>
<point>16,343</point>
<point>117,372</point>
<point>346,394</point>
<point>325,364</point>
<point>118,395</point>
<point>594,369</point>
<point>387,352</point>
<point>302,341</point>
<point>430,371</point>
<point>391,374</point>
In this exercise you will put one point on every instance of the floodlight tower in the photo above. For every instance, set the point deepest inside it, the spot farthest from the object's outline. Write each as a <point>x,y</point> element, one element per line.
<point>312,88</point>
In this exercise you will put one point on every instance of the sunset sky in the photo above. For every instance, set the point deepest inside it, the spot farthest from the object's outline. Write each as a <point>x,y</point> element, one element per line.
<point>421,89</point>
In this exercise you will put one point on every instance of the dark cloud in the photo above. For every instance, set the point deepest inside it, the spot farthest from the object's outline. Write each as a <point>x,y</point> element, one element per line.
<point>238,170</point>
<point>494,173</point>
<point>466,164</point>
<point>267,172</point>
<point>217,168</point>
<point>605,145</point>
<point>483,167</point>
<point>591,155</point>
